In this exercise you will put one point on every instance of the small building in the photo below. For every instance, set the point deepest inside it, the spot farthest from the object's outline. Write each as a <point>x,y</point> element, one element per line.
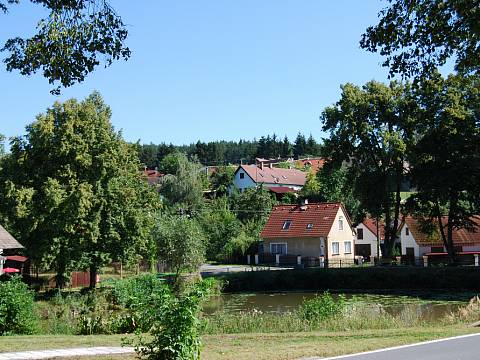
<point>7,244</point>
<point>416,243</point>
<point>367,243</point>
<point>251,176</point>
<point>315,232</point>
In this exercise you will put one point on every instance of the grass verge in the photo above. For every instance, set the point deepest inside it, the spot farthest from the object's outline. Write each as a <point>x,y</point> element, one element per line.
<point>271,346</point>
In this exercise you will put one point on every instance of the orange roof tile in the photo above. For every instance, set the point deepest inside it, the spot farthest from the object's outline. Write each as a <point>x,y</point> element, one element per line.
<point>275,175</point>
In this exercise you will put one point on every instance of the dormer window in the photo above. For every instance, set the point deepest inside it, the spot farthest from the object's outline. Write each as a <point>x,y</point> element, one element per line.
<point>340,223</point>
<point>309,226</point>
<point>286,224</point>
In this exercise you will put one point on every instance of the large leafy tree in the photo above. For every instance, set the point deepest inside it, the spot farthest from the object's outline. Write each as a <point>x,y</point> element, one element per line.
<point>445,161</point>
<point>75,37</point>
<point>72,190</point>
<point>416,36</point>
<point>368,130</point>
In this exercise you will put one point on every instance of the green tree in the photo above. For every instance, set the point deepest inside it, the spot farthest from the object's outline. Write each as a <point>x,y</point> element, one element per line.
<point>311,189</point>
<point>369,130</point>
<point>300,146</point>
<point>254,204</point>
<point>445,161</point>
<point>418,36</point>
<point>184,184</point>
<point>221,180</point>
<point>2,146</point>
<point>72,190</point>
<point>180,242</point>
<point>70,42</point>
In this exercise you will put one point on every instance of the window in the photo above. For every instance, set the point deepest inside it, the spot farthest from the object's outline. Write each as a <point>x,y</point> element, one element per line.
<point>348,247</point>
<point>436,249</point>
<point>278,248</point>
<point>360,234</point>
<point>286,224</point>
<point>340,223</point>
<point>309,226</point>
<point>335,248</point>
<point>407,231</point>
<point>242,175</point>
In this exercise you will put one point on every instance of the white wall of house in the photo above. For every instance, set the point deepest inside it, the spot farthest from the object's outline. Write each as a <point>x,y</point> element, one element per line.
<point>369,238</point>
<point>407,241</point>
<point>340,236</point>
<point>242,184</point>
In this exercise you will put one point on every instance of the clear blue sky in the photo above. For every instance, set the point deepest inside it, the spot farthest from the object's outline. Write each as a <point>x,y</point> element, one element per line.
<point>212,69</point>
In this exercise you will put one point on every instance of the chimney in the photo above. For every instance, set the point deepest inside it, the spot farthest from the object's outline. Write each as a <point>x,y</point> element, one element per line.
<point>303,204</point>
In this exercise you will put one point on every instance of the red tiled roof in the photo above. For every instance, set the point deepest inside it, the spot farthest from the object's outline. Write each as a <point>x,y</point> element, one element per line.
<point>321,215</point>
<point>153,176</point>
<point>275,175</point>
<point>371,224</point>
<point>280,189</point>
<point>460,236</point>
<point>315,163</point>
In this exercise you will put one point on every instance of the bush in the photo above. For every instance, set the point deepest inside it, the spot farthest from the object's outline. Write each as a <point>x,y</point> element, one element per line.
<point>321,308</point>
<point>16,308</point>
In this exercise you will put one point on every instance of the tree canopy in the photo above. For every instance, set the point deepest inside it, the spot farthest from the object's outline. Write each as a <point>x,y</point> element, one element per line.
<point>417,36</point>
<point>72,190</point>
<point>70,42</point>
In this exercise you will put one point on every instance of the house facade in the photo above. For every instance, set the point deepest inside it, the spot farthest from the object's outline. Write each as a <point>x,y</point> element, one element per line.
<point>366,243</point>
<point>310,231</point>
<point>416,243</point>
<point>250,176</point>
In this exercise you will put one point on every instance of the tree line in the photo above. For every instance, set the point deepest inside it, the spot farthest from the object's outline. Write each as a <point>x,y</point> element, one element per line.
<point>233,152</point>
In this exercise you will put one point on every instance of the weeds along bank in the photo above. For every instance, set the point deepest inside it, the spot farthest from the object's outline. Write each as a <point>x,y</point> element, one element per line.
<point>368,278</point>
<point>144,304</point>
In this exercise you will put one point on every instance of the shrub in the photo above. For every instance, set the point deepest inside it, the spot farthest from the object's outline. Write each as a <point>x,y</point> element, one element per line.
<point>321,308</point>
<point>16,308</point>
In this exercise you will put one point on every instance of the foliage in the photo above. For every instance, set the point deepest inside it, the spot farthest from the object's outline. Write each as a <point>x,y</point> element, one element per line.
<point>311,189</point>
<point>254,204</point>
<point>181,243</point>
<point>175,331</point>
<point>221,180</point>
<point>71,41</point>
<point>369,130</point>
<point>321,308</point>
<point>183,185</point>
<point>16,308</point>
<point>2,146</point>
<point>86,203</point>
<point>418,36</point>
<point>219,225</point>
<point>445,159</point>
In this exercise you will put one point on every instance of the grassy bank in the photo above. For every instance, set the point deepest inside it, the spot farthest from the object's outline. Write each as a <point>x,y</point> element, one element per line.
<point>368,278</point>
<point>272,346</point>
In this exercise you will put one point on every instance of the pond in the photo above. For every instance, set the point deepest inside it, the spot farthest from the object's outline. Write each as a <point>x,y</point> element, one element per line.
<point>428,306</point>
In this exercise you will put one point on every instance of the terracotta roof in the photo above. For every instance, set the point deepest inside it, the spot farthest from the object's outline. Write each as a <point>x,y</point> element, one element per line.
<point>314,163</point>
<point>274,175</point>
<point>321,215</point>
<point>280,189</point>
<point>153,176</point>
<point>371,224</point>
<point>7,241</point>
<point>460,236</point>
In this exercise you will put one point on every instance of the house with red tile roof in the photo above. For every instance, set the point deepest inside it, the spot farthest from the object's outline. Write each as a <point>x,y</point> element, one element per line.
<point>250,176</point>
<point>416,243</point>
<point>366,240</point>
<point>311,231</point>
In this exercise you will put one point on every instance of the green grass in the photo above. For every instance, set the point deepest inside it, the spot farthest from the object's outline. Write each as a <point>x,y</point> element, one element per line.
<point>255,346</point>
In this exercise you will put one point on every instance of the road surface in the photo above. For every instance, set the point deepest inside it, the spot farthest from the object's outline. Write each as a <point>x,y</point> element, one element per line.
<point>458,348</point>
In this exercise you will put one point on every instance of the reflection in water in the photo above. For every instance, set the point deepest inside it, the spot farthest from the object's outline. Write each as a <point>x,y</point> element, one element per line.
<point>425,306</point>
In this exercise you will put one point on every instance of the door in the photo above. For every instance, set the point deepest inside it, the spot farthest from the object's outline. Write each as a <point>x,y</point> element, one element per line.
<point>410,254</point>
<point>364,250</point>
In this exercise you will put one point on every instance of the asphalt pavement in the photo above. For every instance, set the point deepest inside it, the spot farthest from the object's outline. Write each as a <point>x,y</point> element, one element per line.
<point>457,348</point>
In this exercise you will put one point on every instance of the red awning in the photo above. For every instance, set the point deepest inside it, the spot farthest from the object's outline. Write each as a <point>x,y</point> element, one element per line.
<point>11,270</point>
<point>17,258</point>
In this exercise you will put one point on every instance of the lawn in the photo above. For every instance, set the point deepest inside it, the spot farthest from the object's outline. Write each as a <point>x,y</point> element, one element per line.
<point>273,346</point>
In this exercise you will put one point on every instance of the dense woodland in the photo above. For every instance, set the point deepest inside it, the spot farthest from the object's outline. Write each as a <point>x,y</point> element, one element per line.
<point>223,152</point>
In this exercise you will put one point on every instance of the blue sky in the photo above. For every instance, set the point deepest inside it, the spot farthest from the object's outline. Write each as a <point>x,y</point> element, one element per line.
<point>212,69</point>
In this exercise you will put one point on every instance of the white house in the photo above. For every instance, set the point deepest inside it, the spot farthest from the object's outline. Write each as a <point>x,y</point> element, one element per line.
<point>249,176</point>
<point>416,243</point>
<point>366,243</point>
<point>7,242</point>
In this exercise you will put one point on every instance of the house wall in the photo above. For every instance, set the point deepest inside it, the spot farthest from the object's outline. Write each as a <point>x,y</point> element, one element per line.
<point>369,238</point>
<point>409,241</point>
<point>298,246</point>
<point>244,183</point>
<point>340,236</point>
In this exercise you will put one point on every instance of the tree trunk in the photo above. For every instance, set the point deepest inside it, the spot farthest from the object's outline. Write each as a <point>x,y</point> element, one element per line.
<point>93,276</point>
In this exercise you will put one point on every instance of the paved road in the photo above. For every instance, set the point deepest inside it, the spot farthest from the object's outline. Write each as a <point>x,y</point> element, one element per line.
<point>208,269</point>
<point>457,348</point>
<point>65,353</point>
